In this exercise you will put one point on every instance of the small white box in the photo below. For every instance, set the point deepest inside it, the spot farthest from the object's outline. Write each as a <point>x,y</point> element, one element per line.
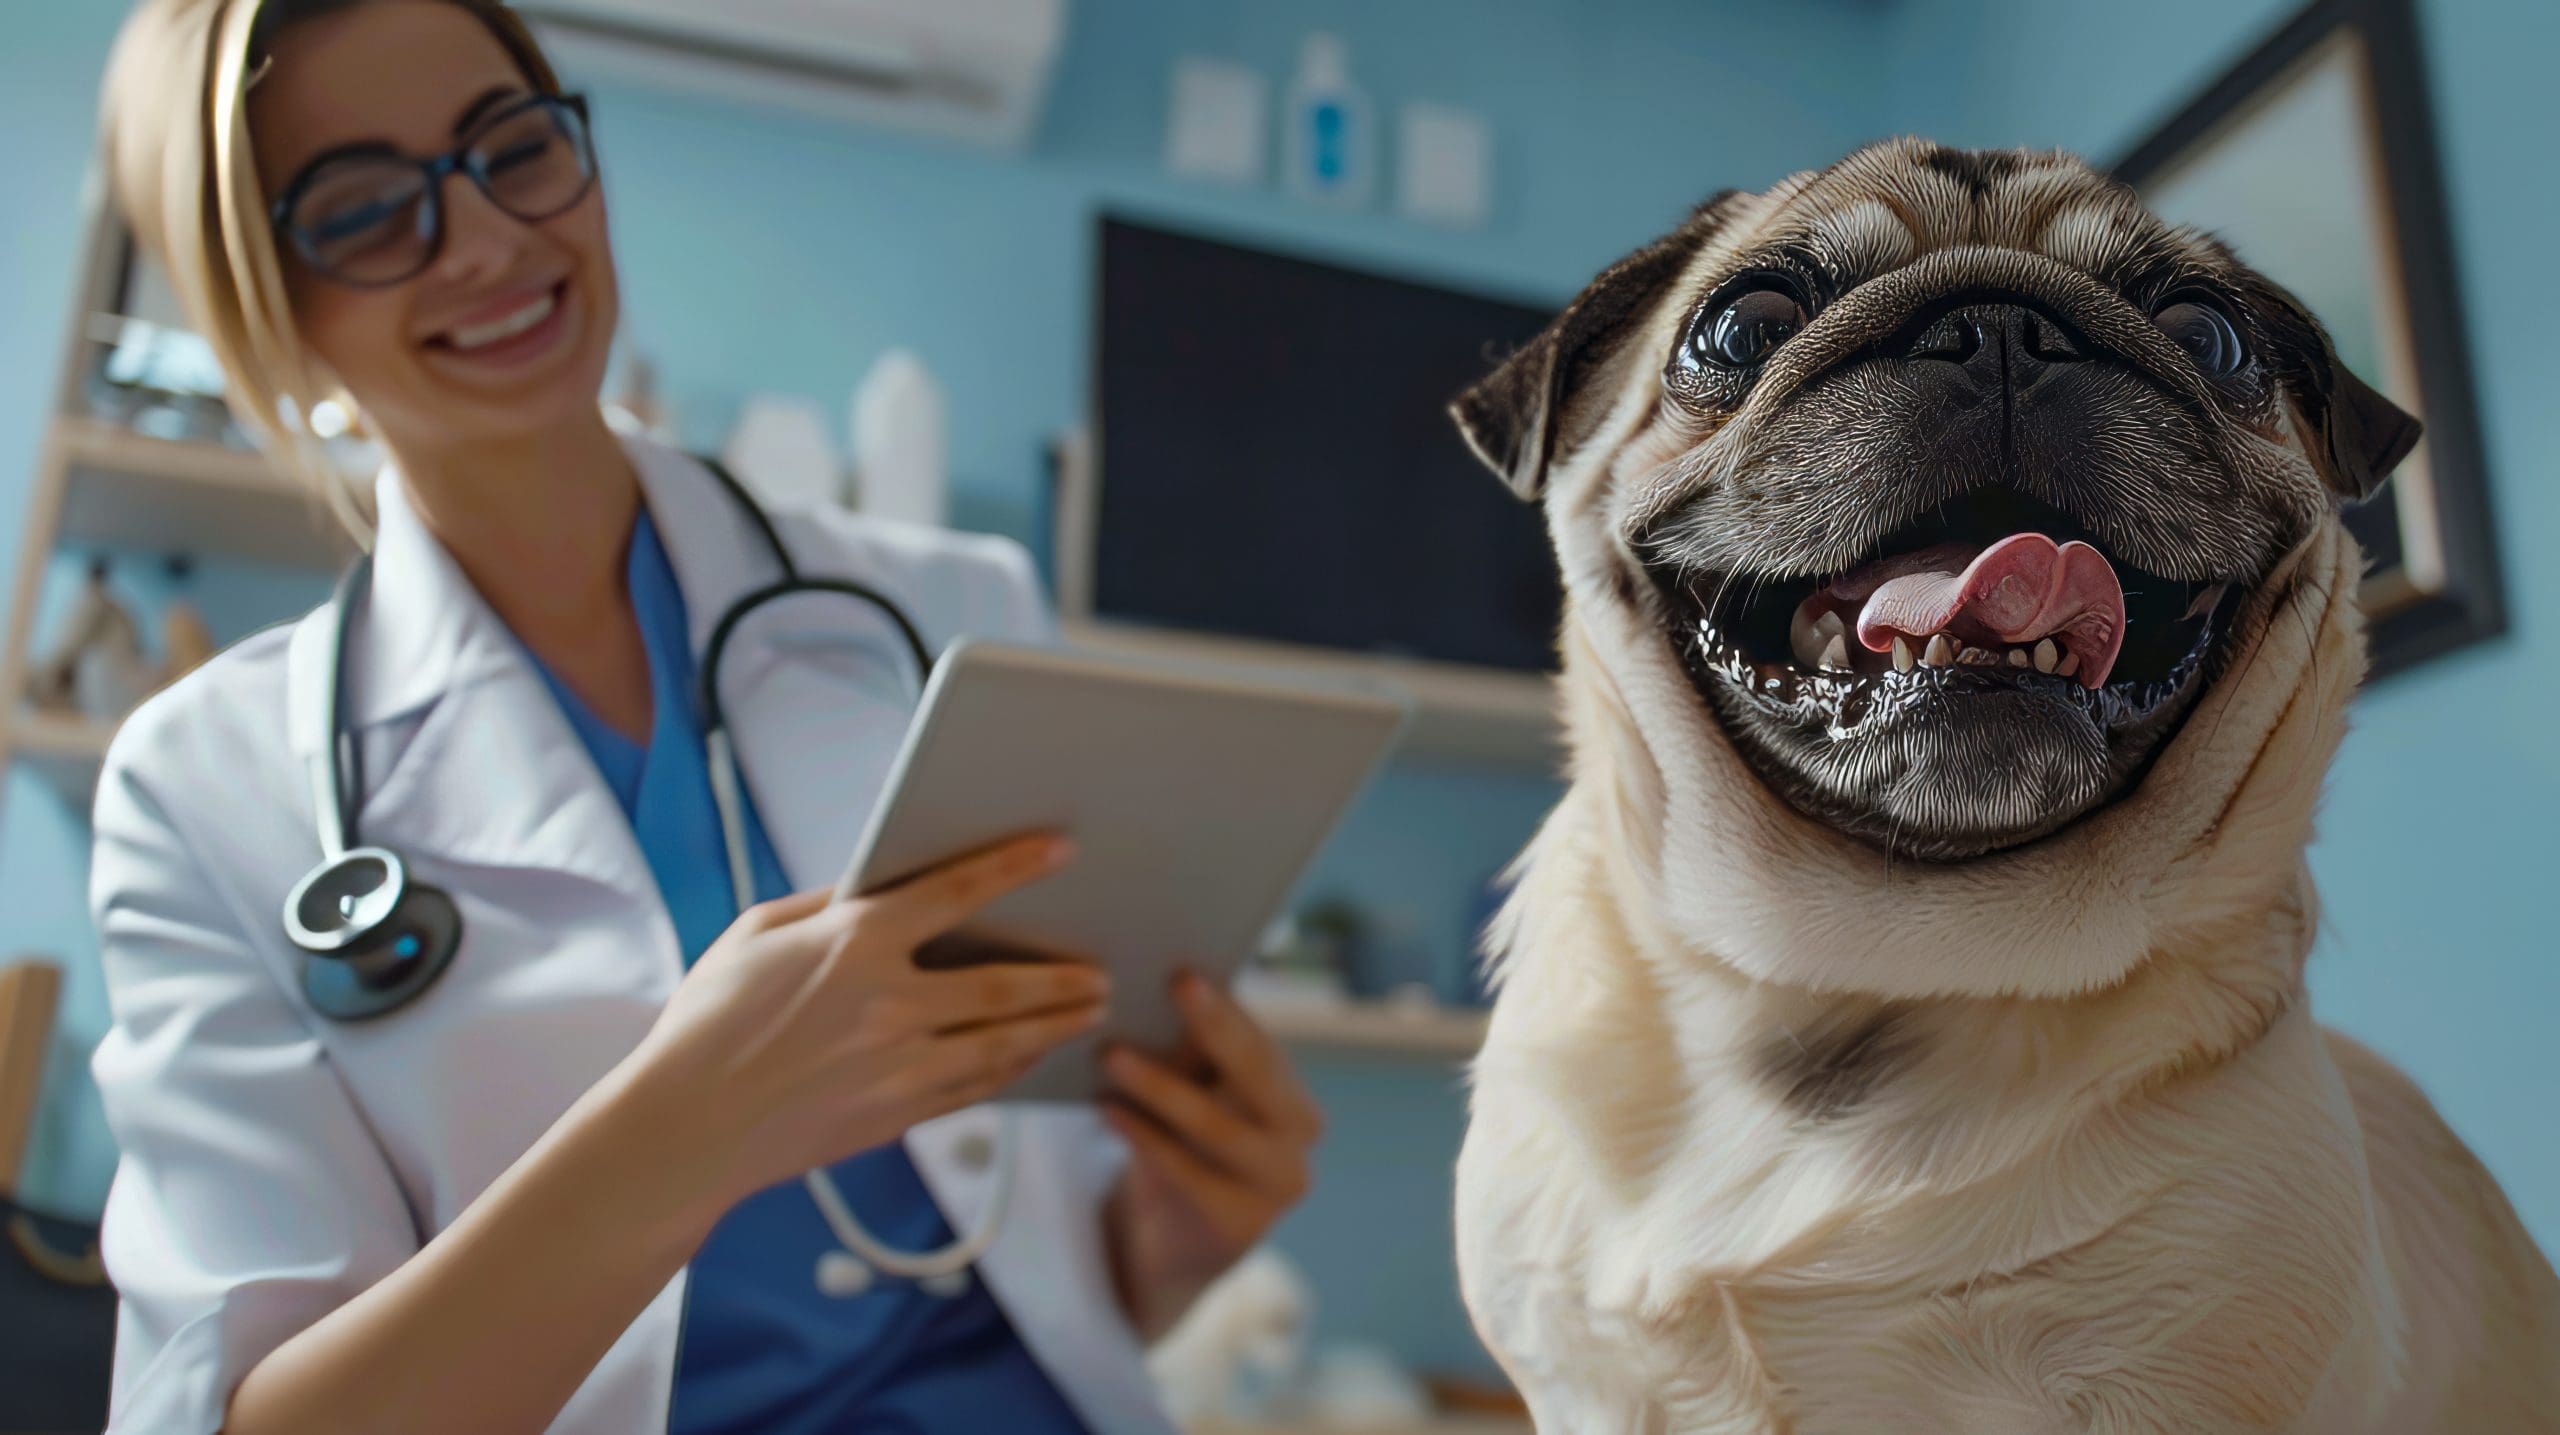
<point>1219,123</point>
<point>1444,166</point>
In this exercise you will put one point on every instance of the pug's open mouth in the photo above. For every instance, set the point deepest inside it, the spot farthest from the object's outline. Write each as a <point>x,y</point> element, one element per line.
<point>1979,677</point>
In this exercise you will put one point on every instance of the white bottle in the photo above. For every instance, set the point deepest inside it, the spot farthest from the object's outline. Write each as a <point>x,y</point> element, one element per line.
<point>901,441</point>
<point>1330,141</point>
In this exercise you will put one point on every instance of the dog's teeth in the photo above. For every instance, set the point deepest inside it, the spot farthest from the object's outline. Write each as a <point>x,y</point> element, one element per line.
<point>1804,638</point>
<point>1939,653</point>
<point>1901,653</point>
<point>1829,625</point>
<point>1978,657</point>
<point>2017,657</point>
<point>2046,655</point>
<point>1835,654</point>
<point>2205,601</point>
<point>2070,665</point>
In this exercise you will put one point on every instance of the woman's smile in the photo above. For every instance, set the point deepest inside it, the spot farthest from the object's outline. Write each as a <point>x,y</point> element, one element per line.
<point>510,335</point>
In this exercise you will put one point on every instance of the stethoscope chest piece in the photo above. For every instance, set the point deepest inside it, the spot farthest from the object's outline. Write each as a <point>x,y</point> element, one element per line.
<point>377,939</point>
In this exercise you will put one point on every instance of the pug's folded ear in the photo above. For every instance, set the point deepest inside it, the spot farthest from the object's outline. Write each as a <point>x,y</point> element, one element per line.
<point>2354,435</point>
<point>1541,403</point>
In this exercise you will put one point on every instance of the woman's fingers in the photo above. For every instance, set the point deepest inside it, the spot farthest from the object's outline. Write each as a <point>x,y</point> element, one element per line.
<point>1254,1068</point>
<point>940,900</point>
<point>1226,1138</point>
<point>992,1054</point>
<point>956,1001</point>
<point>1168,1159</point>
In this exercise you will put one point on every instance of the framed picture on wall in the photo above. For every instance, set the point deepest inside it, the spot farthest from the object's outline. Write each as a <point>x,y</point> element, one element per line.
<point>2315,158</point>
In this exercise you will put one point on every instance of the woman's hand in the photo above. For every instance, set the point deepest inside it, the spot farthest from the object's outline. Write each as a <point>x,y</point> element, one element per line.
<point>1218,1146</point>
<point>807,1032</point>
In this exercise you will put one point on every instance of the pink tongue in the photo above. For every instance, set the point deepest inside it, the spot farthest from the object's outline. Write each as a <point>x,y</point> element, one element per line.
<point>2018,590</point>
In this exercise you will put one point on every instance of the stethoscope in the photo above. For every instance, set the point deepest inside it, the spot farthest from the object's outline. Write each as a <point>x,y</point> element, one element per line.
<point>374,939</point>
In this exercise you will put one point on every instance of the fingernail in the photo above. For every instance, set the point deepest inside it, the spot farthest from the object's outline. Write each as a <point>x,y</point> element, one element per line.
<point>1060,851</point>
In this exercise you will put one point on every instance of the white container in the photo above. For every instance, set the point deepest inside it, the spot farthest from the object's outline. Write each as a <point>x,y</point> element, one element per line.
<point>782,451</point>
<point>901,441</point>
<point>1329,139</point>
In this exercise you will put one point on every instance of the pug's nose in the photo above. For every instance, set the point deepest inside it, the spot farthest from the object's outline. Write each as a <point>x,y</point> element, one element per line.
<point>1998,345</point>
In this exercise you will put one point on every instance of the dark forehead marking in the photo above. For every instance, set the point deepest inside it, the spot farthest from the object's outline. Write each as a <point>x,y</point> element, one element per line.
<point>1828,1067</point>
<point>1977,170</point>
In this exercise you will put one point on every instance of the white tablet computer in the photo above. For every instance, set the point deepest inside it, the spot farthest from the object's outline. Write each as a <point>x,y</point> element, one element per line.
<point>1196,801</point>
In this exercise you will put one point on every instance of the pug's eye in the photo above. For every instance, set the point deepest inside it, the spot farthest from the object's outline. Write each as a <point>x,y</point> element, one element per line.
<point>1745,328</point>
<point>2199,326</point>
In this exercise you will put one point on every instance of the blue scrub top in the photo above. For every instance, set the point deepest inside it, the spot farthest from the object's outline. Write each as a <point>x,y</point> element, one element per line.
<point>763,1349</point>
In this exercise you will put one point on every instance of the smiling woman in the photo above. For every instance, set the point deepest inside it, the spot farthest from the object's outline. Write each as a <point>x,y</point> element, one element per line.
<point>536,1082</point>
<point>240,293</point>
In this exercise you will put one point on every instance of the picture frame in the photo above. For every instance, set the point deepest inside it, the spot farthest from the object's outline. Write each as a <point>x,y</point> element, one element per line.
<point>2315,157</point>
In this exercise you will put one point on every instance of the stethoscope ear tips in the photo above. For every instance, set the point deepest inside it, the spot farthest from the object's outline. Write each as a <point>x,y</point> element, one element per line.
<point>844,1275</point>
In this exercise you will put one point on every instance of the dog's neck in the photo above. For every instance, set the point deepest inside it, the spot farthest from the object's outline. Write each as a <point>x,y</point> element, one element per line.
<point>1794,1100</point>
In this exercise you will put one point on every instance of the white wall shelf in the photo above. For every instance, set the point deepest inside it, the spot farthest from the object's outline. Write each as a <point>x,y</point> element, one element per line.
<point>1388,1028</point>
<point>64,750</point>
<point>1468,713</point>
<point>124,489</point>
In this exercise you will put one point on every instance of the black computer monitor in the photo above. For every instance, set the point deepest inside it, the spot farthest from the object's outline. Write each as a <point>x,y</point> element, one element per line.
<point>1277,460</point>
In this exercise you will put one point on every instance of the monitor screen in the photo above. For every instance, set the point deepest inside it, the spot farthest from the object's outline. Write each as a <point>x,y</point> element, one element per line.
<point>1277,459</point>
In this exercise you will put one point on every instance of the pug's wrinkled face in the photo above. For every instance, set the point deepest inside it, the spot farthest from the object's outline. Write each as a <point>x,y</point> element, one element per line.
<point>1948,477</point>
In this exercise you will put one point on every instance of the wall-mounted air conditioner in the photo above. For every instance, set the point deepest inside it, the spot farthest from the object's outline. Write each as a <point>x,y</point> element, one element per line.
<point>970,70</point>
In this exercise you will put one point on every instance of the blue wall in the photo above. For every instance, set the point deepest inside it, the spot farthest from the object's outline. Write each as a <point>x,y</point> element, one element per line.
<point>763,251</point>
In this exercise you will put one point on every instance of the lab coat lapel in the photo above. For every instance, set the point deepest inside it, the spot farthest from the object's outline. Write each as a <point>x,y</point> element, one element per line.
<point>469,760</point>
<point>816,694</point>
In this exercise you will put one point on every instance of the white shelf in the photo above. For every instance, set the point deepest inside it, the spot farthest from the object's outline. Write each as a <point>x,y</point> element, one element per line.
<point>1370,1026</point>
<point>1478,714</point>
<point>64,750</point>
<point>168,496</point>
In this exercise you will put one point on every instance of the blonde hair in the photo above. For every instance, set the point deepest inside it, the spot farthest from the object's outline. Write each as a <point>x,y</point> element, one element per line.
<point>174,135</point>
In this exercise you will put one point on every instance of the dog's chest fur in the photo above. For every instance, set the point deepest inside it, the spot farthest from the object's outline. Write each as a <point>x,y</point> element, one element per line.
<point>1692,1203</point>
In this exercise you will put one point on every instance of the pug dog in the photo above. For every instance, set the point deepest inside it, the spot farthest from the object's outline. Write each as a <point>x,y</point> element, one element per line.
<point>1901,1022</point>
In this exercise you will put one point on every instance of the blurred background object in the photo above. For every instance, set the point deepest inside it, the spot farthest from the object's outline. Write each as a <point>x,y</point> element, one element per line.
<point>55,1304</point>
<point>901,441</point>
<point>2314,155</point>
<point>1212,407</point>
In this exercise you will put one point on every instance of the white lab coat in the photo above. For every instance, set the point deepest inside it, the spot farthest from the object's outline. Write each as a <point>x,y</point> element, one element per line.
<point>276,1163</point>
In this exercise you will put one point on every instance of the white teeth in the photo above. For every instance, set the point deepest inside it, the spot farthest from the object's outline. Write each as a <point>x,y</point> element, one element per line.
<point>480,336</point>
<point>1979,657</point>
<point>1803,640</point>
<point>2205,601</point>
<point>2017,657</point>
<point>2046,655</point>
<point>1940,652</point>
<point>1901,653</point>
<point>1835,654</point>
<point>2070,665</point>
<point>1815,641</point>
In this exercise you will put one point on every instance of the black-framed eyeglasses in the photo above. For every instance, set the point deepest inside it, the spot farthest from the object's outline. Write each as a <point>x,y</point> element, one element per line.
<point>372,216</point>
